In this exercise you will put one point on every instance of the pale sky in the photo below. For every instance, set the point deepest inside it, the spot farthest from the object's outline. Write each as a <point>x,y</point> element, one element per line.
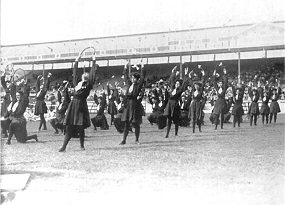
<point>31,21</point>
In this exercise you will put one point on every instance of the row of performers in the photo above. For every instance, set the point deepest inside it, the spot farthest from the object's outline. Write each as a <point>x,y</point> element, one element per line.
<point>159,99</point>
<point>72,115</point>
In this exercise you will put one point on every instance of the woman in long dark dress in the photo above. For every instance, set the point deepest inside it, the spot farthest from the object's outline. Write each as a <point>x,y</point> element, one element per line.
<point>5,121</point>
<point>197,103</point>
<point>237,110</point>
<point>100,119</point>
<point>220,104</point>
<point>63,102</point>
<point>77,115</point>
<point>119,125</point>
<point>253,108</point>
<point>40,107</point>
<point>172,109</point>
<point>133,110</point>
<point>265,110</point>
<point>16,111</point>
<point>274,106</point>
<point>184,112</point>
<point>112,96</point>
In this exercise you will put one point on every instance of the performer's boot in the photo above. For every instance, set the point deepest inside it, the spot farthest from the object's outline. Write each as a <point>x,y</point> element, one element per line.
<point>54,127</point>
<point>216,118</point>
<point>126,132</point>
<point>271,115</point>
<point>168,129</point>
<point>251,119</point>
<point>222,121</point>
<point>9,138</point>
<point>176,129</point>
<point>193,125</point>
<point>275,117</point>
<point>67,137</point>
<point>255,119</point>
<point>45,125</point>
<point>40,126</point>
<point>267,119</point>
<point>199,126</point>
<point>239,120</point>
<point>137,133</point>
<point>234,121</point>
<point>32,137</point>
<point>263,119</point>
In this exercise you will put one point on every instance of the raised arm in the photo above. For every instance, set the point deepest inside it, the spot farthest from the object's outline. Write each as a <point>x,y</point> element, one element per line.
<point>172,77</point>
<point>215,80</point>
<point>126,75</point>
<point>26,95</point>
<point>38,83</point>
<point>225,79</point>
<point>3,83</point>
<point>143,74</point>
<point>67,97</point>
<point>93,71</point>
<point>59,95</point>
<point>250,90</point>
<point>95,97</point>
<point>47,82</point>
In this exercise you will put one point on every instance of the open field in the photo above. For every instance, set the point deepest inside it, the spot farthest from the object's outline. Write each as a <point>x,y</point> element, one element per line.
<point>231,166</point>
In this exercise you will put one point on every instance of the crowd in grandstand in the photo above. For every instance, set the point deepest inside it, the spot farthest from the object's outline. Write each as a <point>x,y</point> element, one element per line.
<point>177,100</point>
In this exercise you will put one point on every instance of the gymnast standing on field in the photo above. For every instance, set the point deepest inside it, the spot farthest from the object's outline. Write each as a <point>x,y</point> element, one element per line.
<point>77,117</point>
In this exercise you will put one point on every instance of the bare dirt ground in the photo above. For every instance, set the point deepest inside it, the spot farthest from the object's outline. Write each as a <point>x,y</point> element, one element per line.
<point>232,166</point>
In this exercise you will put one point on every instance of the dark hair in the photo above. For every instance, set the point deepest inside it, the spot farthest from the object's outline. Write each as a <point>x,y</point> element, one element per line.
<point>180,81</point>
<point>20,92</point>
<point>137,76</point>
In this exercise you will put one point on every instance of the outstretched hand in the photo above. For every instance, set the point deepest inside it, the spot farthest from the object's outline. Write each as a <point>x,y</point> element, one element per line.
<point>174,69</point>
<point>191,72</point>
<point>186,70</point>
<point>225,71</point>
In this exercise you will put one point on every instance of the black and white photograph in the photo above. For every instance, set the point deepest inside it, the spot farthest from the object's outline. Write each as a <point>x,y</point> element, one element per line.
<point>142,102</point>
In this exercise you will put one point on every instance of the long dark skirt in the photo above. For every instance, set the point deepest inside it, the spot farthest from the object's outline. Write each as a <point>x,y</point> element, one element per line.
<point>253,109</point>
<point>237,109</point>
<point>18,128</point>
<point>265,110</point>
<point>172,111</point>
<point>184,120</point>
<point>220,106</point>
<point>100,121</point>
<point>119,125</point>
<point>40,107</point>
<point>112,109</point>
<point>274,107</point>
<point>77,113</point>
